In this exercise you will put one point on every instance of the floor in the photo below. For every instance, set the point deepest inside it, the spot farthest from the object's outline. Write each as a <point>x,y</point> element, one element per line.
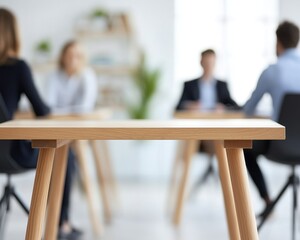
<point>142,211</point>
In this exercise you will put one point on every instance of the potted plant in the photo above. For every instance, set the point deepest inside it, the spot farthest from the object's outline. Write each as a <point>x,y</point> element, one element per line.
<point>146,82</point>
<point>99,18</point>
<point>43,50</point>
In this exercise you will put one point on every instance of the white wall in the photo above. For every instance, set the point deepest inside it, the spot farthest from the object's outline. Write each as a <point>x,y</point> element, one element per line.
<point>289,10</point>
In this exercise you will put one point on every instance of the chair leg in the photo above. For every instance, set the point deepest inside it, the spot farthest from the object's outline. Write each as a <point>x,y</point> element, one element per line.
<point>19,200</point>
<point>295,200</point>
<point>274,203</point>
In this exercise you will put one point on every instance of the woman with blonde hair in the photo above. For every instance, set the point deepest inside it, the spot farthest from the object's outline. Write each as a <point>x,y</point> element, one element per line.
<point>72,88</point>
<point>16,80</point>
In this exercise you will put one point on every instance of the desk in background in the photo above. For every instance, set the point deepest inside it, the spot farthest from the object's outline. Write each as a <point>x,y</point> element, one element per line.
<point>52,138</point>
<point>106,179</point>
<point>185,152</point>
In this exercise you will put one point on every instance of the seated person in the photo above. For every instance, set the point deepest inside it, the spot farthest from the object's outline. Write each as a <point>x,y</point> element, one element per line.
<point>277,80</point>
<point>16,80</point>
<point>206,92</point>
<point>72,88</point>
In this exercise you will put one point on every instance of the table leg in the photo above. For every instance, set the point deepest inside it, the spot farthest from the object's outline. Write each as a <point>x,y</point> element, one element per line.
<point>56,192</point>
<point>86,181</point>
<point>102,182</point>
<point>174,174</point>
<point>40,194</point>
<point>187,159</point>
<point>240,186</point>
<point>109,170</point>
<point>232,222</point>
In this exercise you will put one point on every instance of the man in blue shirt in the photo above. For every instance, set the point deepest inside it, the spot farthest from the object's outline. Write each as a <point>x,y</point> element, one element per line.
<point>277,80</point>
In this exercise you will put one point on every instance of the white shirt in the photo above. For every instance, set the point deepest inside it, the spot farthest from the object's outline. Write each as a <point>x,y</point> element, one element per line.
<point>208,95</point>
<point>72,94</point>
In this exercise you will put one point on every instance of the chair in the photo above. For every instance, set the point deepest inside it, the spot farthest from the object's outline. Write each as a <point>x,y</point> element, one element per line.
<point>287,152</point>
<point>9,167</point>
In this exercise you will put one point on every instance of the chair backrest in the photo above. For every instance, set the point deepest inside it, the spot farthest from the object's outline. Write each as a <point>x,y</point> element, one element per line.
<point>7,163</point>
<point>288,151</point>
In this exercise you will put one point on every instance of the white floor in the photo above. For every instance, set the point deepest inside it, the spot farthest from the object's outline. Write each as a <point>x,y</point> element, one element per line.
<point>142,210</point>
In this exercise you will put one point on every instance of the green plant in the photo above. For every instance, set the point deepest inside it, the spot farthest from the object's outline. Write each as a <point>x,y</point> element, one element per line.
<point>99,13</point>
<point>146,81</point>
<point>44,46</point>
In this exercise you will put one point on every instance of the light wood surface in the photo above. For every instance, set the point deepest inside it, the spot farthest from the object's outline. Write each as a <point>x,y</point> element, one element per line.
<point>240,186</point>
<point>56,192</point>
<point>40,194</point>
<point>80,149</point>
<point>229,203</point>
<point>187,114</point>
<point>187,159</point>
<point>242,129</point>
<point>102,182</point>
<point>191,130</point>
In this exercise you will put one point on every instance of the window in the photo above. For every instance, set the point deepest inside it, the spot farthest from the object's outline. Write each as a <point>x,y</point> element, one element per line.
<point>241,32</point>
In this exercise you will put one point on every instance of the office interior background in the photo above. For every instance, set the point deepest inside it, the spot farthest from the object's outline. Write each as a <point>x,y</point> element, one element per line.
<point>171,33</point>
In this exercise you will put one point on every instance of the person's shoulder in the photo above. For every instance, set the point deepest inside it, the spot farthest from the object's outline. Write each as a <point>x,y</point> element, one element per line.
<point>221,82</point>
<point>17,62</point>
<point>191,82</point>
<point>89,73</point>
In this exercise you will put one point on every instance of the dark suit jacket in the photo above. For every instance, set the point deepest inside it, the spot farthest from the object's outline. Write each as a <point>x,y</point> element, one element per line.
<point>191,93</point>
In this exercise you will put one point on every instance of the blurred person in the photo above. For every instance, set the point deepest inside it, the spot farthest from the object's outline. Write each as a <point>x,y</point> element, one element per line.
<point>72,88</point>
<point>16,80</point>
<point>206,92</point>
<point>276,80</point>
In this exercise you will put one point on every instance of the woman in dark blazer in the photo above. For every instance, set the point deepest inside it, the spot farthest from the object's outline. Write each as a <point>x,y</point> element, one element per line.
<point>16,80</point>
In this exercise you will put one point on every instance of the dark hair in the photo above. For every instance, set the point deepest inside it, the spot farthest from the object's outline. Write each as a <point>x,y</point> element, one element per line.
<point>9,35</point>
<point>287,34</point>
<point>208,52</point>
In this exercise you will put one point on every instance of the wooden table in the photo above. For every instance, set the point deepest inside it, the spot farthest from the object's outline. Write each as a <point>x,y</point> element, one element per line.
<point>105,176</point>
<point>185,152</point>
<point>52,138</point>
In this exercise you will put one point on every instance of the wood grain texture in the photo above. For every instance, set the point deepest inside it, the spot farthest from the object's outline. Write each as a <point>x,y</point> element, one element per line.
<point>224,173</point>
<point>242,129</point>
<point>40,194</point>
<point>56,192</point>
<point>240,186</point>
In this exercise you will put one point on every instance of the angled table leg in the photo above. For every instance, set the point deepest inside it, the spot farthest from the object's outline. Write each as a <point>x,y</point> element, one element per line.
<point>40,194</point>
<point>240,186</point>
<point>174,175</point>
<point>86,181</point>
<point>109,169</point>
<point>232,222</point>
<point>188,154</point>
<point>102,182</point>
<point>56,192</point>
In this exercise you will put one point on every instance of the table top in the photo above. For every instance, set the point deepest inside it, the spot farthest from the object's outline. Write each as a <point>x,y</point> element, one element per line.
<point>225,129</point>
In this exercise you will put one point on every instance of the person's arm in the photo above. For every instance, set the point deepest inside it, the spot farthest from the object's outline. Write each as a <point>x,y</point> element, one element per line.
<point>262,87</point>
<point>28,87</point>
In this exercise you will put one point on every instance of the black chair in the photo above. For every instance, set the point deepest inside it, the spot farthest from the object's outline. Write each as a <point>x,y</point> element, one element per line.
<point>9,167</point>
<point>287,152</point>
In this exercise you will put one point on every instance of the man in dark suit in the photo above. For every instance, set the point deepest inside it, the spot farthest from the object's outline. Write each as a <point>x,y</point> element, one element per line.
<point>206,92</point>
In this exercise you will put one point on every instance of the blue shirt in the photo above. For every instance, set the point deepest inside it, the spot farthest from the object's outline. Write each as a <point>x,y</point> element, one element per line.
<point>208,95</point>
<point>277,80</point>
